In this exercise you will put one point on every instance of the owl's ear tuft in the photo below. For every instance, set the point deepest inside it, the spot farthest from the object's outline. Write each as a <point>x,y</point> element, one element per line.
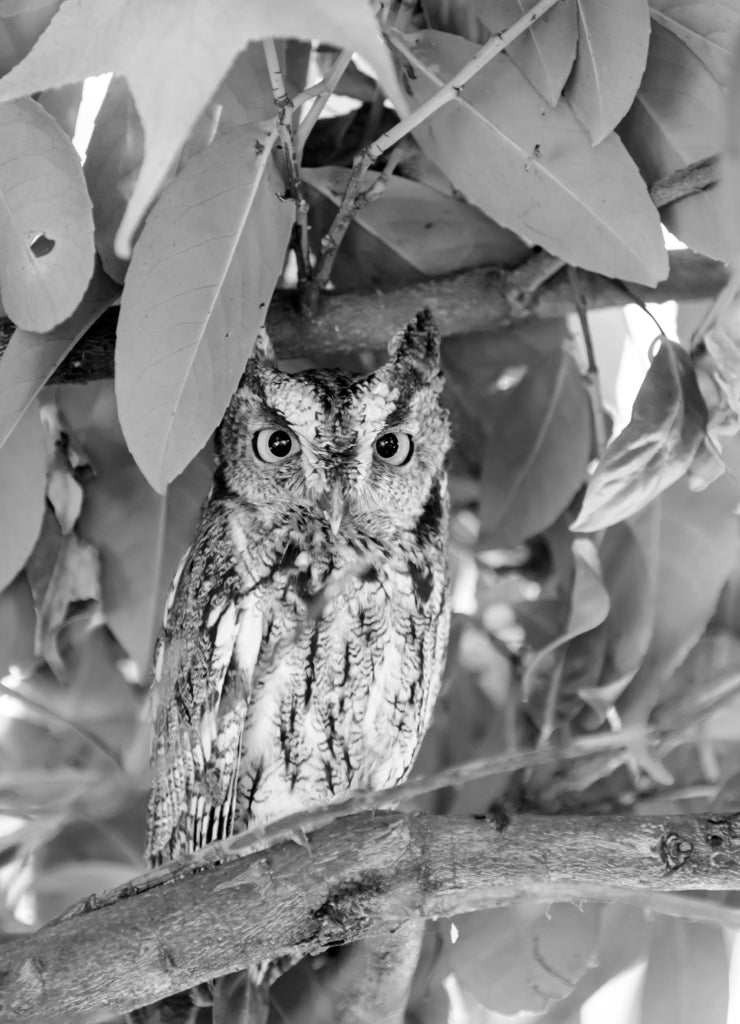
<point>263,350</point>
<point>417,345</point>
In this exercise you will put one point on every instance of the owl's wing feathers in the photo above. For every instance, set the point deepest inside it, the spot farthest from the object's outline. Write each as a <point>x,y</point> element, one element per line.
<point>206,654</point>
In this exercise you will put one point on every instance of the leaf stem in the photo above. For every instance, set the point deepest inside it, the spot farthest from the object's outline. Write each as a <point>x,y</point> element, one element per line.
<point>593,384</point>
<point>354,198</point>
<point>285,108</point>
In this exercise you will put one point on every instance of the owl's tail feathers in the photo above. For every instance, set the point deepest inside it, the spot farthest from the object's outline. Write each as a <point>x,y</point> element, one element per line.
<point>233,999</point>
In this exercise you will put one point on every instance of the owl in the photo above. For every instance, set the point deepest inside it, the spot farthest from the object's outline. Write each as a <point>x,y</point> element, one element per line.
<point>306,628</point>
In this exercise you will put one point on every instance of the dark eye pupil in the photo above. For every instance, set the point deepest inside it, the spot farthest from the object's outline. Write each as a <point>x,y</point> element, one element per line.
<point>387,446</point>
<point>279,443</point>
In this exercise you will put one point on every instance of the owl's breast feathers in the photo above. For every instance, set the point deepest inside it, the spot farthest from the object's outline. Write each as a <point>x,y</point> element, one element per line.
<point>292,667</point>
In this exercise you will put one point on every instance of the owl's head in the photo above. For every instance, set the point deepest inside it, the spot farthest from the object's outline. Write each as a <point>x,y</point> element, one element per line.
<point>343,452</point>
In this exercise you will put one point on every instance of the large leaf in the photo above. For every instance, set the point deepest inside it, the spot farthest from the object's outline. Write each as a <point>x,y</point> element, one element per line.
<point>531,167</point>
<point>23,476</point>
<point>30,359</point>
<point>196,292</point>
<point>141,534</point>
<point>697,546</point>
<point>546,51</point>
<point>114,157</point>
<point>46,231</point>
<point>539,442</point>
<point>612,52</point>
<point>655,448</point>
<point>410,233</point>
<point>687,974</point>
<point>709,28</point>
<point>174,56</point>
<point>677,118</point>
<point>524,958</point>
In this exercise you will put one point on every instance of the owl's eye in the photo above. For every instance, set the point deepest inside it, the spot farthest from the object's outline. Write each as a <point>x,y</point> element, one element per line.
<point>396,448</point>
<point>274,445</point>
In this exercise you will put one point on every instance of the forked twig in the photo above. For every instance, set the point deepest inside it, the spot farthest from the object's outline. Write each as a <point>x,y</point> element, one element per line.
<point>285,108</point>
<point>354,197</point>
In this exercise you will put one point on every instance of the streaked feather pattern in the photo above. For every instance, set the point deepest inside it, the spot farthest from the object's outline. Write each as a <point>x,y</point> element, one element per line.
<point>306,631</point>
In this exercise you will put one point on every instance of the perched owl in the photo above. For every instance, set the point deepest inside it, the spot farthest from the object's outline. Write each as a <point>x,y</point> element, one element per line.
<point>306,628</point>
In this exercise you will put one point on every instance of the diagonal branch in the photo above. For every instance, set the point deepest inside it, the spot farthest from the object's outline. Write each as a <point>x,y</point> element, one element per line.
<point>359,875</point>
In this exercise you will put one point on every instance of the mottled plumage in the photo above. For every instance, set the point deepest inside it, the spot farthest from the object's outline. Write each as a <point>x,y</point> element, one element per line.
<point>306,629</point>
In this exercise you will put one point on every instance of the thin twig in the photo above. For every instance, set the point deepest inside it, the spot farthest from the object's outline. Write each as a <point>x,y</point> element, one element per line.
<point>354,198</point>
<point>324,89</point>
<point>285,109</point>
<point>593,384</point>
<point>688,180</point>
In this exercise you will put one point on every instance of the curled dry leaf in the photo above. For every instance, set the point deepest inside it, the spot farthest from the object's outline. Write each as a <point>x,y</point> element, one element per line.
<point>655,449</point>
<point>64,574</point>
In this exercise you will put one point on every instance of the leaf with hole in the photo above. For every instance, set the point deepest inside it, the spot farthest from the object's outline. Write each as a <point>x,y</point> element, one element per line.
<point>174,56</point>
<point>655,448</point>
<point>531,167</point>
<point>46,231</point>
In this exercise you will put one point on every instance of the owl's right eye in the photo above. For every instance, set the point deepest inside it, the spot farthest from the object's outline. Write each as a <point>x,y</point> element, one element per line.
<point>274,445</point>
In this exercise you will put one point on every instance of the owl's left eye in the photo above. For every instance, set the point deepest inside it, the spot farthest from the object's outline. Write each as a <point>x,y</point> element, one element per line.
<point>394,447</point>
<point>275,445</point>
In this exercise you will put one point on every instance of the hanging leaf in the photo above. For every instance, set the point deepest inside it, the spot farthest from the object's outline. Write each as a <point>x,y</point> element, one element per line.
<point>676,119</point>
<point>539,442</point>
<point>612,53</point>
<point>656,447</point>
<point>46,244</point>
<point>411,232</point>
<point>30,359</point>
<point>530,167</point>
<point>197,290</point>
<point>189,49</point>
<point>23,475</point>
<point>546,51</point>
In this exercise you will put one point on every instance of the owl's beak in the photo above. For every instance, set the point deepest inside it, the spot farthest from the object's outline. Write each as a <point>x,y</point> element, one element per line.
<point>332,502</point>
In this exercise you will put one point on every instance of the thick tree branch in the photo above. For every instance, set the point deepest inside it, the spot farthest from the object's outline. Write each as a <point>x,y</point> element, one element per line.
<point>473,300</point>
<point>353,877</point>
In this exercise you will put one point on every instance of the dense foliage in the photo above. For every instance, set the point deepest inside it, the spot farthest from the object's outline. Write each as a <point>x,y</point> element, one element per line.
<point>586,599</point>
